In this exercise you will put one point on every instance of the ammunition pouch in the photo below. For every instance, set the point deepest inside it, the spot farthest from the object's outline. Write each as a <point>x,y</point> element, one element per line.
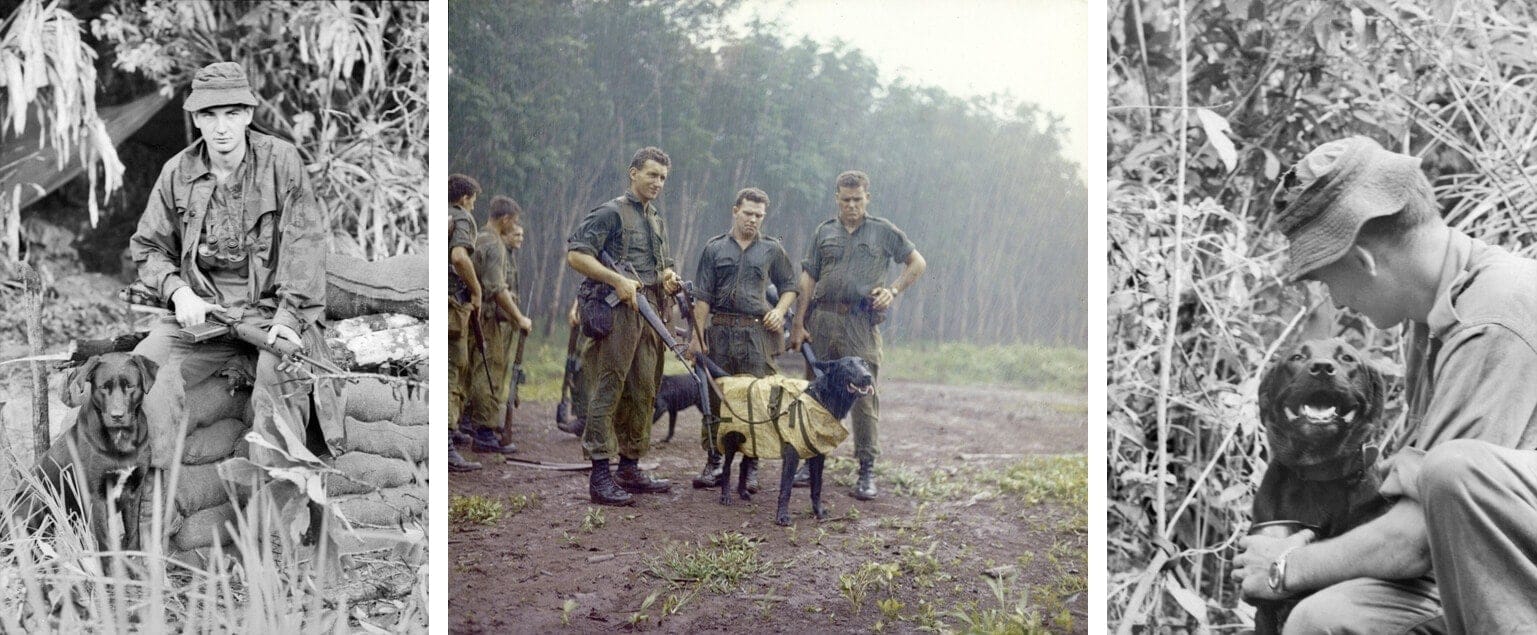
<point>596,314</point>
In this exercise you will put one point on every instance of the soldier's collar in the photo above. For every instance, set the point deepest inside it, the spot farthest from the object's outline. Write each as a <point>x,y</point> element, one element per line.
<point>195,164</point>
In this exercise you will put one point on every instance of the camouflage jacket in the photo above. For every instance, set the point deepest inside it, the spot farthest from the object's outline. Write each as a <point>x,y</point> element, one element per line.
<point>285,230</point>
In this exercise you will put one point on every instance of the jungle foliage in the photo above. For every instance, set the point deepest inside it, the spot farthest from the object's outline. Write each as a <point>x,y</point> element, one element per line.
<point>548,100</point>
<point>1209,103</point>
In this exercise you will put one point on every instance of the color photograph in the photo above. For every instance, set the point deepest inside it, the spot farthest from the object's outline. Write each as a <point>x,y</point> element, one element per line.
<point>767,316</point>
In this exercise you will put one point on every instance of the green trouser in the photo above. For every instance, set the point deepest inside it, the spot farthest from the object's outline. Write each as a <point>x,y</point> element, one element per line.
<point>488,403</point>
<point>739,350</point>
<point>835,335</point>
<point>458,360</point>
<point>621,372</point>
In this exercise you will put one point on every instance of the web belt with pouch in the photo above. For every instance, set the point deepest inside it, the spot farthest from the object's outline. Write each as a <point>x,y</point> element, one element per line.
<point>865,307</point>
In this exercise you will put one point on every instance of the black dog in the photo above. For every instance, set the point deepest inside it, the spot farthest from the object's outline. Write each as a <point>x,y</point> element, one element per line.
<point>676,392</point>
<point>1320,403</point>
<point>838,384</point>
<point>106,450</point>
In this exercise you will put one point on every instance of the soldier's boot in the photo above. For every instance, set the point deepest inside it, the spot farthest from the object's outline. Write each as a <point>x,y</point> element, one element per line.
<point>458,463</point>
<point>602,488</point>
<point>457,437</point>
<point>486,441</point>
<point>574,425</point>
<point>709,476</point>
<point>802,476</point>
<point>637,481</point>
<point>865,489</point>
<point>751,480</point>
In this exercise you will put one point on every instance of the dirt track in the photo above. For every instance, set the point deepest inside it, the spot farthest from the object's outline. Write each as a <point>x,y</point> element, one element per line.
<point>930,529</point>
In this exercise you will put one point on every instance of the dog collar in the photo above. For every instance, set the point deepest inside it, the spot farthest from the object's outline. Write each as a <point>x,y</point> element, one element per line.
<point>1346,467</point>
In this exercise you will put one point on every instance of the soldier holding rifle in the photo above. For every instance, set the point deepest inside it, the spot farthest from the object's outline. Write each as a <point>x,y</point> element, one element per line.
<point>501,322</point>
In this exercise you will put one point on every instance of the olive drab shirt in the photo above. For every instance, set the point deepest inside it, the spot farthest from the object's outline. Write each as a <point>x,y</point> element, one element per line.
<point>627,232</point>
<point>266,220</point>
<point>847,266</point>
<point>735,280</point>
<point>461,233</point>
<point>496,267</point>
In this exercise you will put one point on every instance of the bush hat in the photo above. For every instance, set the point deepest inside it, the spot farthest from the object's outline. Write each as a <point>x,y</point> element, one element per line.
<point>219,84</point>
<point>1322,202</point>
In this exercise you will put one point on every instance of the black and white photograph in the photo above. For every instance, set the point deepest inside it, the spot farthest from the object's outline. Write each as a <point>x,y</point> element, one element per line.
<point>768,316</point>
<point>213,348</point>
<point>1322,318</point>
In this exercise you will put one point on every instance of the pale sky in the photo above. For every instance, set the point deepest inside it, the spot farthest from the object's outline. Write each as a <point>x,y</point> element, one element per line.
<point>1035,50</point>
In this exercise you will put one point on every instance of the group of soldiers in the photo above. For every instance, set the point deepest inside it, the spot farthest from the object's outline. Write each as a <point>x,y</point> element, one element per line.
<point>746,290</point>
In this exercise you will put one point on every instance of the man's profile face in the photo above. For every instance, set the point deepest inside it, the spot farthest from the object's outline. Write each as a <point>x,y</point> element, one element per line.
<point>851,203</point>
<point>223,127</point>
<point>1354,286</point>
<point>647,180</point>
<point>747,218</point>
<point>514,238</point>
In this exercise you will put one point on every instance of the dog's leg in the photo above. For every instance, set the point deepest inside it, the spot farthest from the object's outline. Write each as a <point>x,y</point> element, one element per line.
<point>816,464</point>
<point>672,424</point>
<point>786,485</point>
<point>725,473</point>
<point>748,463</point>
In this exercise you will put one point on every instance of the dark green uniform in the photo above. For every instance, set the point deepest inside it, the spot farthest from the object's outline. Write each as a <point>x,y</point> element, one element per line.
<point>621,371</point>
<point>847,267</point>
<point>461,233</point>
<point>734,282</point>
<point>497,269</point>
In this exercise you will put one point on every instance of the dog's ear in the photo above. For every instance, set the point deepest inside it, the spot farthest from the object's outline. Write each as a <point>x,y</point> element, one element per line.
<point>825,367</point>
<point>1376,388</point>
<point>78,392</point>
<point>148,369</point>
<point>1270,382</point>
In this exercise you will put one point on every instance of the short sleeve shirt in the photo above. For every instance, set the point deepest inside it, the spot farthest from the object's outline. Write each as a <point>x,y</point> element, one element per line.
<point>490,258</point>
<point>735,280</point>
<point>848,266</point>
<point>641,241</point>
<point>461,233</point>
<point>1472,362</point>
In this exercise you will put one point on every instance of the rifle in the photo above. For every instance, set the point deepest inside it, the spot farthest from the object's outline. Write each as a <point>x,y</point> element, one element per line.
<point>573,364</point>
<point>646,311</point>
<point>811,359</point>
<point>219,323</point>
<point>517,378</point>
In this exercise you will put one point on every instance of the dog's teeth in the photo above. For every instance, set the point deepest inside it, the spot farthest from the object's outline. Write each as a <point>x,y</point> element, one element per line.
<point>1290,414</point>
<point>1318,413</point>
<point>1349,416</point>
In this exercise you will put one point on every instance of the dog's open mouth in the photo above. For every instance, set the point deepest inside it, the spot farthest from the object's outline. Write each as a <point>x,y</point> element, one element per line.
<point>868,389</point>
<point>1321,408</point>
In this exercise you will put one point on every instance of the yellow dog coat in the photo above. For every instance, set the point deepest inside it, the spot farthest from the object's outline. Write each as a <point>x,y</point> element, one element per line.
<point>772,410</point>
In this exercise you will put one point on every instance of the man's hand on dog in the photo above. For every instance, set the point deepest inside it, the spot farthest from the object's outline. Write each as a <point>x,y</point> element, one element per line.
<point>1253,563</point>
<point>1401,474</point>
<point>192,310</point>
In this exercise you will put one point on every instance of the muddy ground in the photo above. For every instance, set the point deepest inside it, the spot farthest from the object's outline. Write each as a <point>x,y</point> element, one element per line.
<point>959,500</point>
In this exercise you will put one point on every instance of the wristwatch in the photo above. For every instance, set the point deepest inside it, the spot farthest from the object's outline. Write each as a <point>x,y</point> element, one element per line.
<point>1277,578</point>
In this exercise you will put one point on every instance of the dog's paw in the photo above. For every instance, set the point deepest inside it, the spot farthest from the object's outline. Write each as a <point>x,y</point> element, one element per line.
<point>746,495</point>
<point>783,520</point>
<point>821,514</point>
<point>725,499</point>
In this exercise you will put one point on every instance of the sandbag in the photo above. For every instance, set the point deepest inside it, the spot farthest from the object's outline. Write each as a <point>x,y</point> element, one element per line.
<point>364,472</point>
<point>794,417</point>
<point>384,508</point>
<point>199,487</point>
<point>397,284</point>
<point>372,399</point>
<point>210,401</point>
<point>216,442</point>
<point>385,438</point>
<point>204,528</point>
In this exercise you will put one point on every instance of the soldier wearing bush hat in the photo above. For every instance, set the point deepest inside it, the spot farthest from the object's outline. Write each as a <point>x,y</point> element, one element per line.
<point>232,225</point>
<point>1454,552</point>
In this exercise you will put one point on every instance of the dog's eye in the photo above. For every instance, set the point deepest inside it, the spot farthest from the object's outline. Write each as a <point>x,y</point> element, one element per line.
<point>1348,358</point>
<point>1296,357</point>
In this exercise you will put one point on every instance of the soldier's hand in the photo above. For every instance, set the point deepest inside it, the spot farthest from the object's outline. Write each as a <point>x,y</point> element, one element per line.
<point>191,310</point>
<point>798,334</point>
<point>774,320</point>
<point>572,317</point>
<point>671,281</point>
<point>882,297</point>
<point>475,303</point>
<point>525,324</point>
<point>279,331</point>
<point>625,289</point>
<point>696,346</point>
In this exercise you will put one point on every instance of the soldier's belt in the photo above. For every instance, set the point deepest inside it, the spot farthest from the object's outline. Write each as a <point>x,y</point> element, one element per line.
<point>734,319</point>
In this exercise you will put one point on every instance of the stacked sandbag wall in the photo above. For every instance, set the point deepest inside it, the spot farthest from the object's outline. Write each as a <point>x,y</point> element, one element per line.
<point>218,419</point>
<point>380,448</point>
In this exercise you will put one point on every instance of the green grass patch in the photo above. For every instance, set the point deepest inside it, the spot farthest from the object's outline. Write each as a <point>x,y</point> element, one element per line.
<point>1027,366</point>
<point>476,509</point>
<point>720,566</point>
<point>1062,478</point>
